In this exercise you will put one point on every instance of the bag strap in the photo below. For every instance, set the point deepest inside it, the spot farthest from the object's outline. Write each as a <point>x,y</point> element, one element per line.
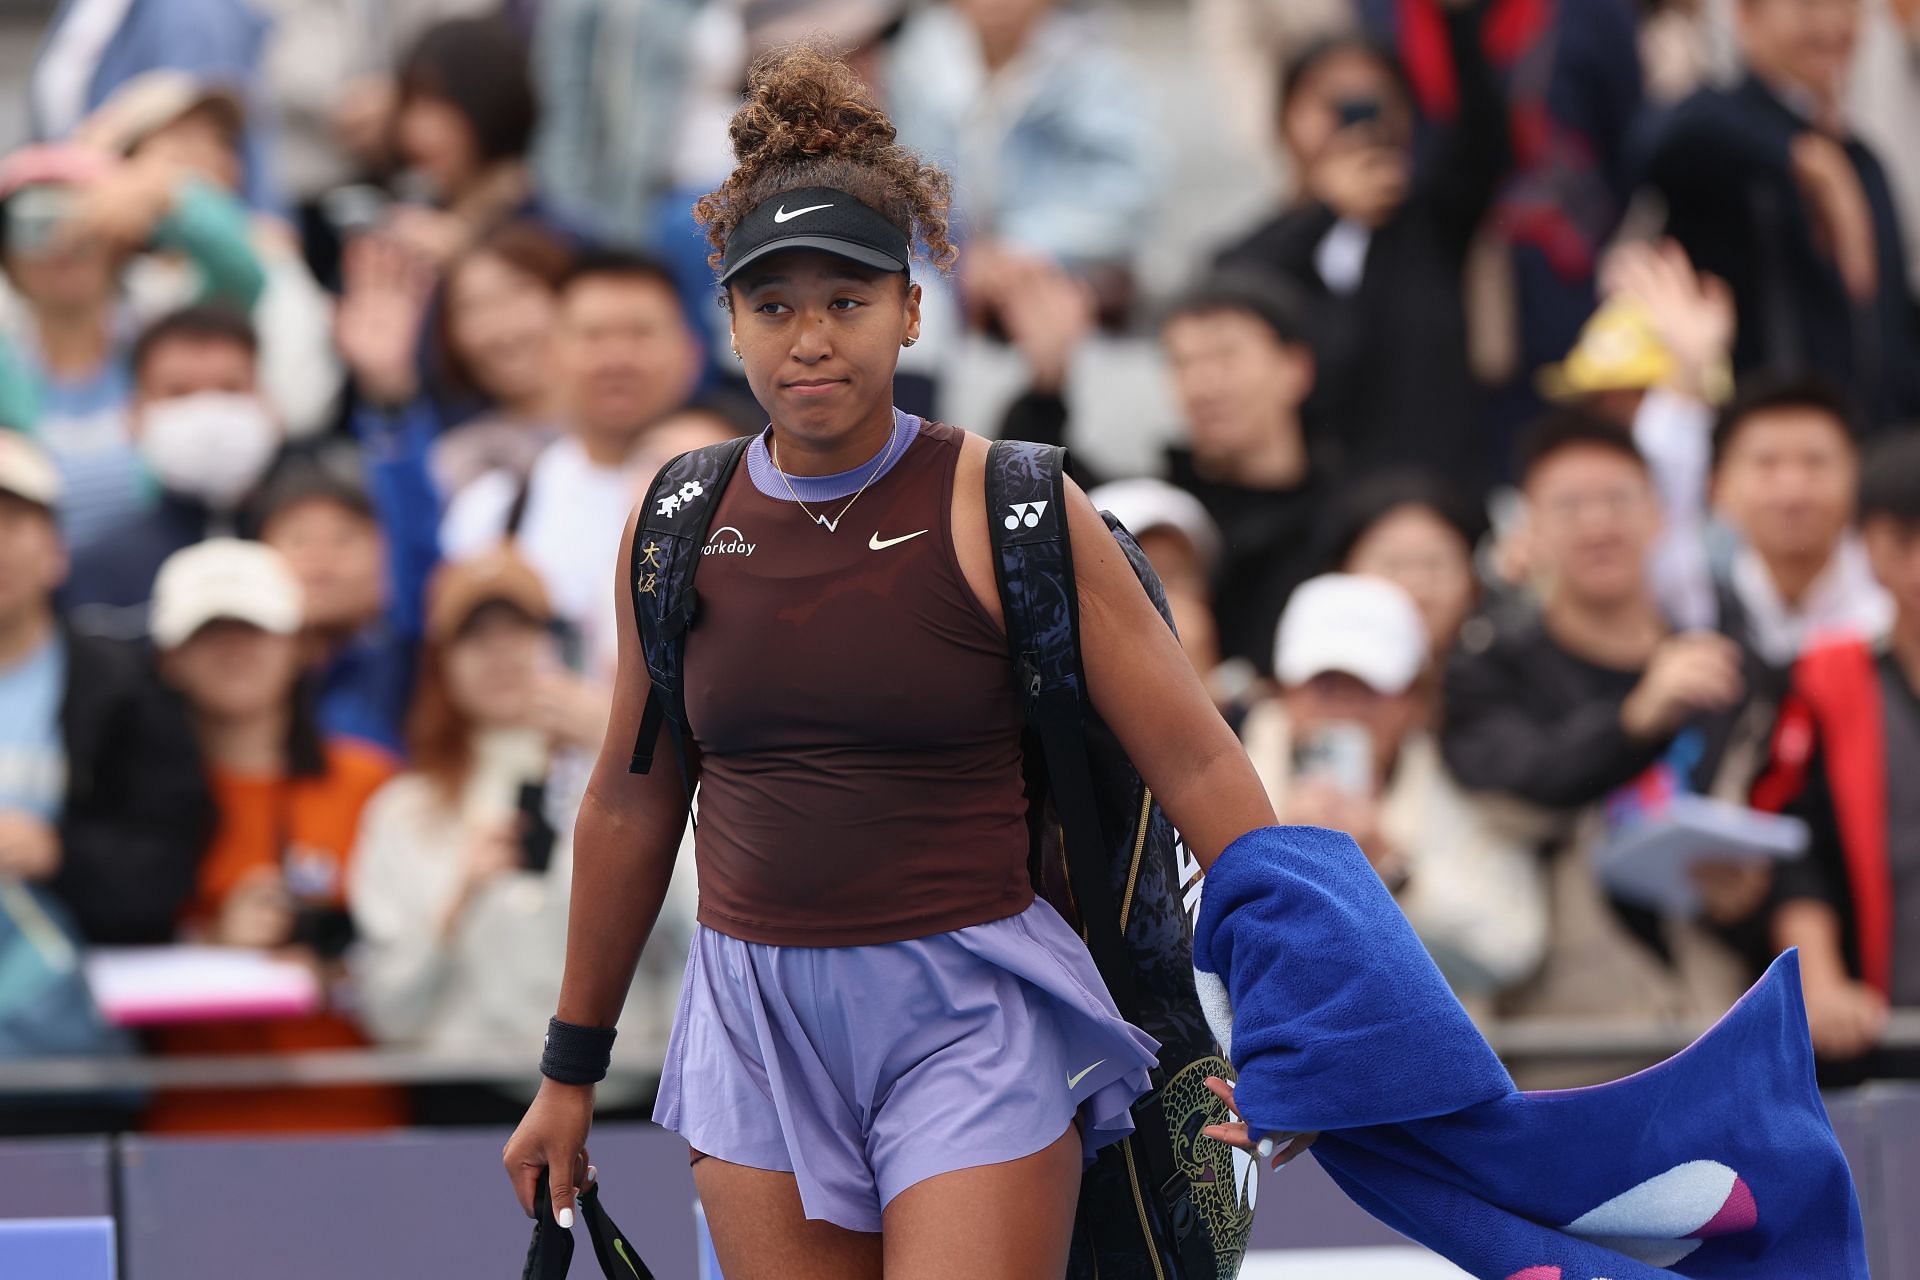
<point>674,520</point>
<point>1033,568</point>
<point>550,1253</point>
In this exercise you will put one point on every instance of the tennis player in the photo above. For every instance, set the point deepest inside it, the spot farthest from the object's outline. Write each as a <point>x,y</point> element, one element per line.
<point>889,1055</point>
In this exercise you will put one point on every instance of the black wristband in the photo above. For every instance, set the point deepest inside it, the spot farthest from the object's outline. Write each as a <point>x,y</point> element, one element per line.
<point>576,1055</point>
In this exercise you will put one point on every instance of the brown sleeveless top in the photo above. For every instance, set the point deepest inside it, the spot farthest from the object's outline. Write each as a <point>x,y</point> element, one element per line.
<point>854,712</point>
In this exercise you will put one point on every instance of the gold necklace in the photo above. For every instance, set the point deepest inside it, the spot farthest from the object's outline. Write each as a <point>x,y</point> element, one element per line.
<point>833,525</point>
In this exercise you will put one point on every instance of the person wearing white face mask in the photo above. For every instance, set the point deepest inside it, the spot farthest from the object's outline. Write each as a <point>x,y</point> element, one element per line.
<point>207,439</point>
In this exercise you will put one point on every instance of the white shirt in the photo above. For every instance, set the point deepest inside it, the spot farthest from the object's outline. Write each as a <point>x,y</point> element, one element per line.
<point>1844,600</point>
<point>570,533</point>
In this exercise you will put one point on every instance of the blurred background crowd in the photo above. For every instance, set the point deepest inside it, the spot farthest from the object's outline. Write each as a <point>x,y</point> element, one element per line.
<point>1519,398</point>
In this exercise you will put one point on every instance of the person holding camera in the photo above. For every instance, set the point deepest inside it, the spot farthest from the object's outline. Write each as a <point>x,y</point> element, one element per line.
<point>1345,746</point>
<point>226,621</point>
<point>1381,247</point>
<point>461,871</point>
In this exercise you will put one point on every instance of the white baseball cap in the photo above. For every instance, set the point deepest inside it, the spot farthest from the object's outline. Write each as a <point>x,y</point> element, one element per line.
<point>1144,504</point>
<point>27,472</point>
<point>1368,628</point>
<point>223,578</point>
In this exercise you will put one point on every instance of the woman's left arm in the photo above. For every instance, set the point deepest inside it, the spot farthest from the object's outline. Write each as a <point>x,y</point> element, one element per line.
<point>1147,691</point>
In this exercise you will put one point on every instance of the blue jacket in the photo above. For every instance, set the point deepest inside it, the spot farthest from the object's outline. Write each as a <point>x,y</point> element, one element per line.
<point>219,40</point>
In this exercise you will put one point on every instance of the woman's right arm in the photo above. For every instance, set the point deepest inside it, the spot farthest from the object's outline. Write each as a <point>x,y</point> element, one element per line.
<point>625,840</point>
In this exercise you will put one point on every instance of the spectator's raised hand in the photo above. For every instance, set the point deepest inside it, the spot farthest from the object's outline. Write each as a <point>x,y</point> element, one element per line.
<point>29,846</point>
<point>386,290</point>
<point>1837,204</point>
<point>1047,314</point>
<point>121,208</point>
<point>1691,673</point>
<point>570,710</point>
<point>1692,312</point>
<point>1844,1017</point>
<point>1359,177</point>
<point>257,913</point>
<point>1731,890</point>
<point>434,235</point>
<point>363,117</point>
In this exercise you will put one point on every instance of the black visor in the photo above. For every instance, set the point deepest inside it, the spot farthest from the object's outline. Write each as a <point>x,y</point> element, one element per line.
<point>816,218</point>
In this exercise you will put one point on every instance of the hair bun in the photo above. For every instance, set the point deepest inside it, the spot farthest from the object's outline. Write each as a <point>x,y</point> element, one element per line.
<point>809,121</point>
<point>804,103</point>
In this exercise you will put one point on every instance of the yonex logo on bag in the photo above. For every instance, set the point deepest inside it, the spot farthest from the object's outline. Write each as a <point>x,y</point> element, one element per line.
<point>1027,513</point>
<point>671,504</point>
<point>721,544</point>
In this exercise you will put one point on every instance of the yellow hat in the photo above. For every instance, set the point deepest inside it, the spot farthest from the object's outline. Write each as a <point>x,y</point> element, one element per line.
<point>1619,350</point>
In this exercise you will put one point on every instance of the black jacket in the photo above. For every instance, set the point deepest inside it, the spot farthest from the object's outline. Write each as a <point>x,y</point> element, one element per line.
<point>1722,160</point>
<point>138,813</point>
<point>1395,385</point>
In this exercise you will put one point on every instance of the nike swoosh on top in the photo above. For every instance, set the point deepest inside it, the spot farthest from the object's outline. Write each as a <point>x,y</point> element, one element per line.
<point>876,544</point>
<point>1076,1079</point>
<point>781,214</point>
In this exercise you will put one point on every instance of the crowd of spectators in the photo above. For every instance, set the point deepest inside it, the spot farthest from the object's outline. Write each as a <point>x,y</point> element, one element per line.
<point>1545,485</point>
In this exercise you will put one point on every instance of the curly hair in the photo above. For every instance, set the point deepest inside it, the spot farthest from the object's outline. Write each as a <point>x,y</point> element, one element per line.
<point>808,121</point>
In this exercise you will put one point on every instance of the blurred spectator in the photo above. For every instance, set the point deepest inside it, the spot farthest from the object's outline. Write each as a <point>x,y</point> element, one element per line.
<point>1382,252</point>
<point>1681,48</point>
<point>1412,529</point>
<point>1656,357</point>
<point>327,78</point>
<point>1785,474</point>
<point>1768,188</point>
<point>1182,543</point>
<point>71,222</point>
<point>463,125</point>
<point>624,357</point>
<point>462,870</point>
<point>635,96</point>
<point>1884,100</point>
<point>92,47</point>
<point>1243,368</point>
<point>1572,80</point>
<point>102,802</point>
<point>1344,746</point>
<point>1845,756</point>
<point>207,440</point>
<point>170,118</point>
<point>362,561</point>
<point>1244,40</point>
<point>1043,125</point>
<point>226,621</point>
<point>491,341</point>
<point>1598,698</point>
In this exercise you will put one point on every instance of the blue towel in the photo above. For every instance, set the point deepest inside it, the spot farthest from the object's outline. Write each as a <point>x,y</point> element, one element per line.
<point>1719,1162</point>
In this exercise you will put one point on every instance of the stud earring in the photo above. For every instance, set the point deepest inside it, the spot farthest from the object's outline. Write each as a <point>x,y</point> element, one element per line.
<point>737,355</point>
<point>910,341</point>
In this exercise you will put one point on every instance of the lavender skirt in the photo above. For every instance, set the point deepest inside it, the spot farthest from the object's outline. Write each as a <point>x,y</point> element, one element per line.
<point>863,1070</point>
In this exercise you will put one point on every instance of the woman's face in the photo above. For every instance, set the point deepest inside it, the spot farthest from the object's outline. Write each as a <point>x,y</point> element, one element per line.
<point>819,337</point>
<point>498,319</point>
<point>1414,548</point>
<point>1349,88</point>
<point>198,143</point>
<point>434,138</point>
<point>491,666</point>
<point>230,671</point>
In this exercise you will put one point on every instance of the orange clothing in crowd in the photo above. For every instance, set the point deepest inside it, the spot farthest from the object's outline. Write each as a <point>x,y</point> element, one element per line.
<point>306,826</point>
